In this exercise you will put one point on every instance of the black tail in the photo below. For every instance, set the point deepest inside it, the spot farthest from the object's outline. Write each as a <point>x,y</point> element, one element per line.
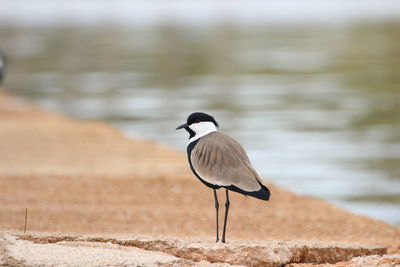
<point>263,193</point>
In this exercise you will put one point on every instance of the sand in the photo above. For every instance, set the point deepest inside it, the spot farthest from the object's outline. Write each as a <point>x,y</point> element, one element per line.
<point>78,176</point>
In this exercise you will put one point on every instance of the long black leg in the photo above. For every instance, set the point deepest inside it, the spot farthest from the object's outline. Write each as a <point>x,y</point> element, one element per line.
<point>216,208</point>
<point>227,204</point>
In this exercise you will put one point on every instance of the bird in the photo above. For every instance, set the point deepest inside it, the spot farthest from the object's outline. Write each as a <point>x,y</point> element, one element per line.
<point>3,65</point>
<point>220,162</point>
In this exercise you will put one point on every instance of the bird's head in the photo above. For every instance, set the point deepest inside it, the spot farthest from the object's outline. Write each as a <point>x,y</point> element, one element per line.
<point>199,124</point>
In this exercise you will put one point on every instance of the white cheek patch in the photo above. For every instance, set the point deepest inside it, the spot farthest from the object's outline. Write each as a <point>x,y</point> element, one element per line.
<point>204,126</point>
<point>201,129</point>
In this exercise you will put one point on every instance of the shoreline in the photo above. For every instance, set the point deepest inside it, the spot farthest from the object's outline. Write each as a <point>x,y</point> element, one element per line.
<point>85,177</point>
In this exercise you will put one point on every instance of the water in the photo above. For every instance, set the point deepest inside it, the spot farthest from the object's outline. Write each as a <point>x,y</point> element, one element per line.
<point>313,98</point>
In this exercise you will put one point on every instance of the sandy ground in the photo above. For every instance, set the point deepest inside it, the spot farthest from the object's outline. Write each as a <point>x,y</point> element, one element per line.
<point>86,177</point>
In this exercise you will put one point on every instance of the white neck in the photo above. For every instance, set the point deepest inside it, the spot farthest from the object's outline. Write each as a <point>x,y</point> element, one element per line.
<point>201,129</point>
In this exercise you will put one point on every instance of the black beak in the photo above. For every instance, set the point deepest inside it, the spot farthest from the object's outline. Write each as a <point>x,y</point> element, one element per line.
<point>182,126</point>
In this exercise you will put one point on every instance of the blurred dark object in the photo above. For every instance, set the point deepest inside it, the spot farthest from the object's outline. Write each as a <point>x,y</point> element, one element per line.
<point>3,66</point>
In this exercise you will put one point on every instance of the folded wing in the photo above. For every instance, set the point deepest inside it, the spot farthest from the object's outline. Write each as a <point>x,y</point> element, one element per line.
<point>221,160</point>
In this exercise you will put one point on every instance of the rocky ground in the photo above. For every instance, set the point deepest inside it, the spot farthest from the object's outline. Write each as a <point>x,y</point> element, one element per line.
<point>77,177</point>
<point>99,250</point>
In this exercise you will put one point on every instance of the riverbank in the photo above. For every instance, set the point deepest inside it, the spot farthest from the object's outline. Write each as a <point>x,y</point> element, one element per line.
<point>85,177</point>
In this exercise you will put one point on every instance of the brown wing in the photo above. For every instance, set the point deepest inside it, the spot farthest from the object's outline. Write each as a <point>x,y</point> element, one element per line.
<point>219,159</point>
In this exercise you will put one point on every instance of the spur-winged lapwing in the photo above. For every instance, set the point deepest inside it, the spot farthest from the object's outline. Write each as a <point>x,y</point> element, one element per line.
<point>218,161</point>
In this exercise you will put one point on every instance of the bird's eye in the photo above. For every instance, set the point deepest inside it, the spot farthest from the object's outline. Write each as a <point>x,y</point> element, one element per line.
<point>197,121</point>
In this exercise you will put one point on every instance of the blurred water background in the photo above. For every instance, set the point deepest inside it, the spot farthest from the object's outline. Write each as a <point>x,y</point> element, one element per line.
<point>310,88</point>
